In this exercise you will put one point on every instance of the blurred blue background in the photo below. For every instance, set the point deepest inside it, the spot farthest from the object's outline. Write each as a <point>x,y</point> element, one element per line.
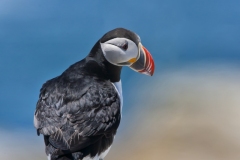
<point>40,39</point>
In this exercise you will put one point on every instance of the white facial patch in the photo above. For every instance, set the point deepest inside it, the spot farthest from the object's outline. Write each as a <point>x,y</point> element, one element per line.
<point>116,55</point>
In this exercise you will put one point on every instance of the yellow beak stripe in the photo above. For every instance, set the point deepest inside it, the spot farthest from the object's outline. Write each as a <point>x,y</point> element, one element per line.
<point>132,60</point>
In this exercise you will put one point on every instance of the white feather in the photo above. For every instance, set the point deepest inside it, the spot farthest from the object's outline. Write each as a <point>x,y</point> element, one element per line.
<point>103,154</point>
<point>98,157</point>
<point>49,157</point>
<point>115,54</point>
<point>118,88</point>
<point>35,121</point>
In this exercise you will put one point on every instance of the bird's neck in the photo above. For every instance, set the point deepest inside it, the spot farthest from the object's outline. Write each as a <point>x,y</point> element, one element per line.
<point>99,65</point>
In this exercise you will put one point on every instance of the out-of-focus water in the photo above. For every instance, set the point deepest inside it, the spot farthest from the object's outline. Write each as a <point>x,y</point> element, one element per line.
<point>187,110</point>
<point>40,39</point>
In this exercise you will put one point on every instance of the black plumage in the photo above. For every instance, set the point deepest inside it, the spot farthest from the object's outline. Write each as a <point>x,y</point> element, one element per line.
<point>78,112</point>
<point>76,109</point>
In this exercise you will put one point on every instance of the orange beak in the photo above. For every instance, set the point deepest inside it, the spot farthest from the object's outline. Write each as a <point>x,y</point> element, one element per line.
<point>145,63</point>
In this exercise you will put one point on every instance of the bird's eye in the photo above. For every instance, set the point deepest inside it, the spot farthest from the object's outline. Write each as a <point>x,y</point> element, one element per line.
<point>125,46</point>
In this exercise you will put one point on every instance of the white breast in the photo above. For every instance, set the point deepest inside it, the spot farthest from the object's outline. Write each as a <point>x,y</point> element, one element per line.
<point>118,88</point>
<point>98,157</point>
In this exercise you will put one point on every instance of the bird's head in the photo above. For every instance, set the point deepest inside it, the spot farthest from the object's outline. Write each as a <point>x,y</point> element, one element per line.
<point>122,47</point>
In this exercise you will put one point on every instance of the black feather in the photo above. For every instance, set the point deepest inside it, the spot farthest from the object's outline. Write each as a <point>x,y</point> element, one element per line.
<point>78,112</point>
<point>78,116</point>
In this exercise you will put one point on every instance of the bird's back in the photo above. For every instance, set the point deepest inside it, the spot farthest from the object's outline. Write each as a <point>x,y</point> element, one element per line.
<point>78,114</point>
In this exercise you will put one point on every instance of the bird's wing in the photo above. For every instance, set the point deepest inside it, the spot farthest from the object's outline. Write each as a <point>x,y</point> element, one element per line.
<point>73,115</point>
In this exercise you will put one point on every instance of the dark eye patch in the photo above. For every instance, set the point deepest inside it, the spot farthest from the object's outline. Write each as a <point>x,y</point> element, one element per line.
<point>124,46</point>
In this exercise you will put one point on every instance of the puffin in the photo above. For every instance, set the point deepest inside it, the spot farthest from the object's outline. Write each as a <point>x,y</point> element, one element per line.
<point>79,111</point>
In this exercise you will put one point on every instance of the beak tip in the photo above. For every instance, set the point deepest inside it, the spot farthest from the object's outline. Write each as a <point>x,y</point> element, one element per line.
<point>148,73</point>
<point>151,74</point>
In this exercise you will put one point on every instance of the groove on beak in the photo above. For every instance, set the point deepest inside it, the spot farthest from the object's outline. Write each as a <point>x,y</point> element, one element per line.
<point>145,63</point>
